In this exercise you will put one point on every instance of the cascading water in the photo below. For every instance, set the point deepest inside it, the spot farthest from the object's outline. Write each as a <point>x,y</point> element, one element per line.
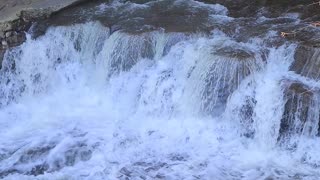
<point>81,103</point>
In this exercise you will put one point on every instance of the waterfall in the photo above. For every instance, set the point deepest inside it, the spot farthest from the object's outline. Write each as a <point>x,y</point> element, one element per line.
<point>81,103</point>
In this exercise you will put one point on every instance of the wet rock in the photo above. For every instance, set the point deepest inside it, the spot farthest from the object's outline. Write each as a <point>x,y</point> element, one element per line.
<point>304,34</point>
<point>191,16</point>
<point>39,169</point>
<point>160,176</point>
<point>18,15</point>
<point>30,9</point>
<point>268,8</point>
<point>8,172</point>
<point>16,39</point>
<point>300,88</point>
<point>156,167</point>
<point>237,53</point>
<point>73,155</point>
<point>279,16</point>
<point>307,61</point>
<point>129,49</point>
<point>224,76</point>
<point>240,8</point>
<point>144,170</point>
<point>178,157</point>
<point>4,43</point>
<point>2,34</point>
<point>8,34</point>
<point>6,26</point>
<point>173,16</point>
<point>34,154</point>
<point>246,113</point>
<point>301,112</point>
<point>145,164</point>
<point>3,48</point>
<point>125,172</point>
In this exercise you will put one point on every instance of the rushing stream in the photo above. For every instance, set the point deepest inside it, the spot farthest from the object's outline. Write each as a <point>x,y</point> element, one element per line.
<point>80,102</point>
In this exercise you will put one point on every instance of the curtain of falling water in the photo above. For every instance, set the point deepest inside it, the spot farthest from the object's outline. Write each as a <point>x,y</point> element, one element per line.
<point>81,102</point>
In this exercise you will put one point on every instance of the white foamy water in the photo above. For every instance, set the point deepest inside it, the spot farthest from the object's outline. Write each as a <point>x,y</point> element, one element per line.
<point>78,103</point>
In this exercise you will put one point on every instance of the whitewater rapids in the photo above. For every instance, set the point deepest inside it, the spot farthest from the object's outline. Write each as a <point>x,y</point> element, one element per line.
<point>80,103</point>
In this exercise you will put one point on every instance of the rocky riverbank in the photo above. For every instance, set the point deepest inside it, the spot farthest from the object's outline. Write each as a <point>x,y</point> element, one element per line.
<point>16,17</point>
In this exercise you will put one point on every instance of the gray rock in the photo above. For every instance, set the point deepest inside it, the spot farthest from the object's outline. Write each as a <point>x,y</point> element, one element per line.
<point>8,34</point>
<point>301,107</point>
<point>5,26</point>
<point>2,35</point>
<point>307,62</point>
<point>4,43</point>
<point>2,51</point>
<point>17,15</point>
<point>15,8</point>
<point>302,100</point>
<point>16,39</point>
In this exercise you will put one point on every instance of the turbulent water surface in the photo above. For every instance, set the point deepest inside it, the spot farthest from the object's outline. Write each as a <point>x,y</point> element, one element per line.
<point>87,102</point>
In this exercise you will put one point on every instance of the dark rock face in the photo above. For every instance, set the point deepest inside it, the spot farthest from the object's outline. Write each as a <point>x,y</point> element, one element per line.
<point>307,62</point>
<point>15,39</point>
<point>302,112</point>
<point>302,108</point>
<point>13,36</point>
<point>301,116</point>
<point>2,51</point>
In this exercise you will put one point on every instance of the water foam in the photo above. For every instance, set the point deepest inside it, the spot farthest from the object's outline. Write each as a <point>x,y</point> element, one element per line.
<point>80,103</point>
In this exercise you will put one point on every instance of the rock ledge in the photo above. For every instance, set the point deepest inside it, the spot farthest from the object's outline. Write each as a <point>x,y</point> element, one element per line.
<point>16,17</point>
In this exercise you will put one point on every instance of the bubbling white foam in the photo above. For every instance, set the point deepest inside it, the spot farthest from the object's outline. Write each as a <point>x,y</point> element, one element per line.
<point>79,103</point>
